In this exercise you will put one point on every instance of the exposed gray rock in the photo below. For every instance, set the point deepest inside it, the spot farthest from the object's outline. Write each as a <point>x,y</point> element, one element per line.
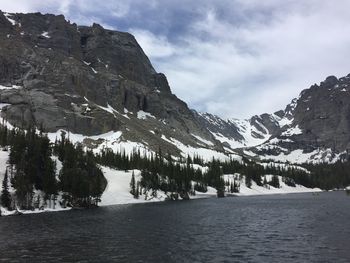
<point>322,113</point>
<point>82,79</point>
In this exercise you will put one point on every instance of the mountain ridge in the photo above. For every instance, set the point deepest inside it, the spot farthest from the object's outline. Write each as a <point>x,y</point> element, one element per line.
<point>91,81</point>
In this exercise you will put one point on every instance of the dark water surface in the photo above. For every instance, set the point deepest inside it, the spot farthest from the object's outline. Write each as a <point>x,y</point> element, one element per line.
<point>279,228</point>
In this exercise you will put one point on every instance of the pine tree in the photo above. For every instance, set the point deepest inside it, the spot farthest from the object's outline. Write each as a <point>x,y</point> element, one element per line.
<point>265,181</point>
<point>235,187</point>
<point>275,181</point>
<point>133,185</point>
<point>5,194</point>
<point>248,181</point>
<point>3,136</point>
<point>138,190</point>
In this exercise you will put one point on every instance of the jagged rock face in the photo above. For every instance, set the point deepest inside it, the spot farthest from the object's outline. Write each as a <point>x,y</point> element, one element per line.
<point>87,80</point>
<point>323,114</point>
<point>266,124</point>
<point>215,124</point>
<point>235,133</point>
<point>315,126</point>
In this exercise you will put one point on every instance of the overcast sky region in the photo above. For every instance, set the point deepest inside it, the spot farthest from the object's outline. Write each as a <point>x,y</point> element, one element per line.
<point>233,58</point>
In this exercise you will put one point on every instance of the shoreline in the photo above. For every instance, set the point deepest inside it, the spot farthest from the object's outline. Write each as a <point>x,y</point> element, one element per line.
<point>201,196</point>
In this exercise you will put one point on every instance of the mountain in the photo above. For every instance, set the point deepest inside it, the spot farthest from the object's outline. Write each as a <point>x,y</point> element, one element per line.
<point>235,133</point>
<point>89,81</point>
<point>313,127</point>
<point>100,86</point>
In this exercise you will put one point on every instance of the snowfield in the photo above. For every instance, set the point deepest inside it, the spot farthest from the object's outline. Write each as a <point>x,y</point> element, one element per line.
<point>10,87</point>
<point>299,156</point>
<point>112,140</point>
<point>4,155</point>
<point>205,153</point>
<point>118,188</point>
<point>117,191</point>
<point>268,190</point>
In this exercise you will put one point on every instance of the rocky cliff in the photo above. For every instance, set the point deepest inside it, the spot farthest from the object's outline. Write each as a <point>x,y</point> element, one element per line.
<point>88,80</point>
<point>315,126</point>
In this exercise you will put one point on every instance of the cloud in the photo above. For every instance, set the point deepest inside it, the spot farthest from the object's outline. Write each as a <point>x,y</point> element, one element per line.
<point>156,46</point>
<point>237,70</point>
<point>234,58</point>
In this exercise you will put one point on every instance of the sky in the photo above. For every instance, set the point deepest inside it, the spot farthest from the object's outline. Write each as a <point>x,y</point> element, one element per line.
<point>232,58</point>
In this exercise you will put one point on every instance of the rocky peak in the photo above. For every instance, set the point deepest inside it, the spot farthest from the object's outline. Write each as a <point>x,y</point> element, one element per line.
<point>315,126</point>
<point>324,113</point>
<point>329,81</point>
<point>89,80</point>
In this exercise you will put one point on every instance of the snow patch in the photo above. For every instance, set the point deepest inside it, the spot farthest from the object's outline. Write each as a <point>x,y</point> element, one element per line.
<point>247,131</point>
<point>110,140</point>
<point>202,140</point>
<point>46,34</point>
<point>118,188</point>
<point>109,108</point>
<point>8,17</point>
<point>299,157</point>
<point>292,131</point>
<point>206,154</point>
<point>266,190</point>
<point>10,87</point>
<point>249,153</point>
<point>283,121</point>
<point>142,115</point>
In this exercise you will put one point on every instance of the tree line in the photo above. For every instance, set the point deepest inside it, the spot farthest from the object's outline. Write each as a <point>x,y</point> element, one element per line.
<point>178,177</point>
<point>32,169</point>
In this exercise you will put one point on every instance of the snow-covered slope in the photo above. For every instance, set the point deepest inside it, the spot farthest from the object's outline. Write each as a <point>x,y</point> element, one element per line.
<point>118,188</point>
<point>251,135</point>
<point>236,133</point>
<point>264,190</point>
<point>4,155</point>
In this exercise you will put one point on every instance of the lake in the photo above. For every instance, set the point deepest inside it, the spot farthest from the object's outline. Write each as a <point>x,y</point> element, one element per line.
<point>278,228</point>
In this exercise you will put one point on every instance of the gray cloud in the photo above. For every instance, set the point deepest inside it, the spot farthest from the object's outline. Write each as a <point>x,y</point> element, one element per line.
<point>232,58</point>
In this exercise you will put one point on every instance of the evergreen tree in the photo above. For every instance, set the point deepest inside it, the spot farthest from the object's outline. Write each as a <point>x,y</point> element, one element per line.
<point>3,136</point>
<point>23,185</point>
<point>275,181</point>
<point>248,181</point>
<point>235,187</point>
<point>137,194</point>
<point>133,185</point>
<point>5,194</point>
<point>265,181</point>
